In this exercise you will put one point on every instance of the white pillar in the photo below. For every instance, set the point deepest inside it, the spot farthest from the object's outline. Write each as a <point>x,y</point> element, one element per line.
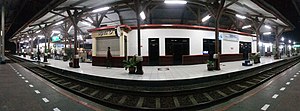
<point>94,46</point>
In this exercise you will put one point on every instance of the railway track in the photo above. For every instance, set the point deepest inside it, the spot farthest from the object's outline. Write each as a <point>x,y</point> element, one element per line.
<point>185,97</point>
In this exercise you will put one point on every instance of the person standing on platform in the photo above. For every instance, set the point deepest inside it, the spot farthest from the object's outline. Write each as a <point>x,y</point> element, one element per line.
<point>108,58</point>
<point>55,54</point>
<point>38,55</point>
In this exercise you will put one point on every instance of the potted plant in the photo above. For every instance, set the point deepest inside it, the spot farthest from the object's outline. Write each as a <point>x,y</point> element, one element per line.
<point>71,62</point>
<point>65,57</point>
<point>130,64</point>
<point>210,65</point>
<point>24,54</point>
<point>255,58</point>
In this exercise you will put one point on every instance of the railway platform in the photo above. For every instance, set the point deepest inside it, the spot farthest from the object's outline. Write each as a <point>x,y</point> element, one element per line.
<point>205,93</point>
<point>155,73</point>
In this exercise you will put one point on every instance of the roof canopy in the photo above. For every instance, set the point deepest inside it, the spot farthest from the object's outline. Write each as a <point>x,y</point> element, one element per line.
<point>123,12</point>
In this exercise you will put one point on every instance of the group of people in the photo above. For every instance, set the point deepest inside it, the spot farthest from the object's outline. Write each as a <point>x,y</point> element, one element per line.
<point>87,54</point>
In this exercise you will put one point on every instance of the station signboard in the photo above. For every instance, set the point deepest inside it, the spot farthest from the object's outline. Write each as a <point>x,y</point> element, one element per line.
<point>104,33</point>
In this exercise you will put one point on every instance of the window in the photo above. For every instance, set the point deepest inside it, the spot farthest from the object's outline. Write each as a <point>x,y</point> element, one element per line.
<point>209,46</point>
<point>245,46</point>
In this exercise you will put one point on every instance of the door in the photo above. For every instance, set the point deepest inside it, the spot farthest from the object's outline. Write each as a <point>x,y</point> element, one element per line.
<point>153,51</point>
<point>245,48</point>
<point>177,47</point>
<point>125,47</point>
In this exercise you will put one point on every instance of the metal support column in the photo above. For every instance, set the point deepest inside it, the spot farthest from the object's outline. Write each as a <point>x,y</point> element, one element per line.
<point>139,64</point>
<point>18,44</point>
<point>3,30</point>
<point>258,34</point>
<point>46,50</point>
<point>46,34</point>
<point>74,21</point>
<point>217,20</point>
<point>31,44</point>
<point>38,50</point>
<point>277,36</point>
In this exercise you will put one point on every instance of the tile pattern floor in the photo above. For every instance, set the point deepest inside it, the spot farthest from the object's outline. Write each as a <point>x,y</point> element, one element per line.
<point>152,73</point>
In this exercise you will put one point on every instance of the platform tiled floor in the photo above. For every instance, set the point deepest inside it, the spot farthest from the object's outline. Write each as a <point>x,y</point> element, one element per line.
<point>152,73</point>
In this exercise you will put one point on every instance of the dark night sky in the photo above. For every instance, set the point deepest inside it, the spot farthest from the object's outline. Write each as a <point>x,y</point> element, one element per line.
<point>287,9</point>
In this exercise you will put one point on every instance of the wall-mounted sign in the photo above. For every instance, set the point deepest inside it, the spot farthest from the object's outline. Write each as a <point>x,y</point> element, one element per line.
<point>55,38</point>
<point>230,37</point>
<point>296,46</point>
<point>104,33</point>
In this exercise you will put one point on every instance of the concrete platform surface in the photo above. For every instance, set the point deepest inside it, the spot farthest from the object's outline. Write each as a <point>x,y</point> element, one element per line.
<point>152,73</point>
<point>281,93</point>
<point>21,90</point>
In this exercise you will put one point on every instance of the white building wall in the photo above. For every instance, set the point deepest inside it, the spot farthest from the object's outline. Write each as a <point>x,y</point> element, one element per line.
<point>254,45</point>
<point>196,40</point>
<point>230,47</point>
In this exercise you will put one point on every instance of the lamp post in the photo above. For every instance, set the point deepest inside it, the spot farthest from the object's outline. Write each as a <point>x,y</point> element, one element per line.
<point>45,52</point>
<point>284,46</point>
<point>289,48</point>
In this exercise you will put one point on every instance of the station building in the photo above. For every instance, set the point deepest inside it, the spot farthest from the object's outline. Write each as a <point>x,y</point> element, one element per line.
<point>171,34</point>
<point>169,44</point>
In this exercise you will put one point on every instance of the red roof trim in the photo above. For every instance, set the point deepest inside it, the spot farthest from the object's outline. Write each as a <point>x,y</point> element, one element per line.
<point>175,26</point>
<point>181,26</point>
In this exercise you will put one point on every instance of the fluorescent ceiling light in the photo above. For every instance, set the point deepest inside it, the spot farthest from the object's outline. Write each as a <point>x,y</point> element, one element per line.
<point>267,33</point>
<point>90,20</point>
<point>41,36</point>
<point>70,29</point>
<point>56,31</point>
<point>240,16</point>
<point>281,46</point>
<point>80,37</point>
<point>38,31</point>
<point>100,9</point>
<point>175,2</point>
<point>206,18</point>
<point>290,41</point>
<point>282,38</point>
<point>142,15</point>
<point>267,26</point>
<point>86,23</point>
<point>58,23</point>
<point>260,43</point>
<point>294,42</point>
<point>247,26</point>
